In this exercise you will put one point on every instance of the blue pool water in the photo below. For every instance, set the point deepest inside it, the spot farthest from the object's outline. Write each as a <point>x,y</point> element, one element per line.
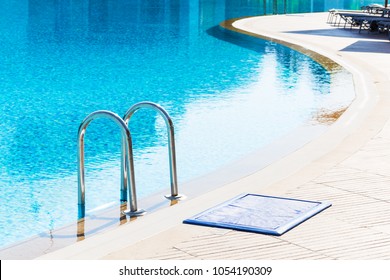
<point>62,60</point>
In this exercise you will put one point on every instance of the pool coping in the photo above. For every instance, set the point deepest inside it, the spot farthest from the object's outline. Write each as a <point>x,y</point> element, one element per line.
<point>336,144</point>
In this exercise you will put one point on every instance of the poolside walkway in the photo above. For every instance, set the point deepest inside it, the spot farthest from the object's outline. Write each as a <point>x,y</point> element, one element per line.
<point>349,166</point>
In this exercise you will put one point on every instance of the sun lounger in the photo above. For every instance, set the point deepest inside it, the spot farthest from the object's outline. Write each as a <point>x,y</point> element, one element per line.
<point>384,26</point>
<point>374,18</point>
<point>362,20</point>
<point>349,15</point>
<point>374,8</point>
<point>354,19</point>
<point>333,14</point>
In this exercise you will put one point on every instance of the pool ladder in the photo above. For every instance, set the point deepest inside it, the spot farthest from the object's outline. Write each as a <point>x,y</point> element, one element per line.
<point>127,160</point>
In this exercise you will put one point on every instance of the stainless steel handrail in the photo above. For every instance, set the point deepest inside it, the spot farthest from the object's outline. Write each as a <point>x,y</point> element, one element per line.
<point>171,142</point>
<point>127,162</point>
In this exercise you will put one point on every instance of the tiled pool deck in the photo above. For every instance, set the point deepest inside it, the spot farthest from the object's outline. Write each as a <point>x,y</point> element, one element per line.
<point>348,166</point>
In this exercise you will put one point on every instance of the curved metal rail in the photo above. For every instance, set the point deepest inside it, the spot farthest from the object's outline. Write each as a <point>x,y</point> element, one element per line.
<point>171,143</point>
<point>126,162</point>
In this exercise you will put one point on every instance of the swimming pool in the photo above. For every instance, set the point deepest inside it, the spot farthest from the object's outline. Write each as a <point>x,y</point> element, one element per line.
<point>60,62</point>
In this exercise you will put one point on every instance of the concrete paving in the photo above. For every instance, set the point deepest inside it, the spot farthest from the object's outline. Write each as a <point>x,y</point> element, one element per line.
<point>349,166</point>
